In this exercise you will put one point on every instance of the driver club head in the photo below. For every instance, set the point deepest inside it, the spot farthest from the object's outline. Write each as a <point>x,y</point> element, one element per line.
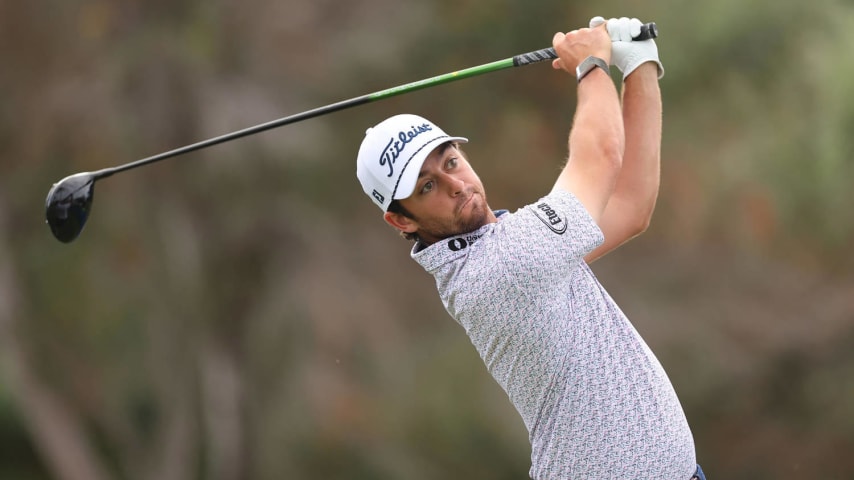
<point>68,204</point>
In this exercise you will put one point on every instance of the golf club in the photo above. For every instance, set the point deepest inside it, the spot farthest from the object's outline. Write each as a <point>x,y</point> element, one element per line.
<point>69,201</point>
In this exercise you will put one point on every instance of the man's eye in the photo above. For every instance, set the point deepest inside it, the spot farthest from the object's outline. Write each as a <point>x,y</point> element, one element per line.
<point>427,187</point>
<point>452,162</point>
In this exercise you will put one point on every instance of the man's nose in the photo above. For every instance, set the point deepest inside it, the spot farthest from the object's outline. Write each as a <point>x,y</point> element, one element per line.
<point>454,185</point>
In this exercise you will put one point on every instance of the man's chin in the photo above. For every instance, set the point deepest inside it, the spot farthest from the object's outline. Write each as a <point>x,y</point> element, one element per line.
<point>476,215</point>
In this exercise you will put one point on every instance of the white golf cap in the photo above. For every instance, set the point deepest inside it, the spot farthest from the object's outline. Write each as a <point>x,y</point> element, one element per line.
<point>392,153</point>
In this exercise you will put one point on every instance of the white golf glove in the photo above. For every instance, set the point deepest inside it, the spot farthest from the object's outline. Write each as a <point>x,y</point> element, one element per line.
<point>627,54</point>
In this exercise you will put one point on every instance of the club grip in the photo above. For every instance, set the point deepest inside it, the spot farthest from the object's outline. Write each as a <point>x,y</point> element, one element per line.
<point>648,31</point>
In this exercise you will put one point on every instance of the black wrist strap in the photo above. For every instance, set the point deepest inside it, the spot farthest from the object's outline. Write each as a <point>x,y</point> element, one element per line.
<point>589,64</point>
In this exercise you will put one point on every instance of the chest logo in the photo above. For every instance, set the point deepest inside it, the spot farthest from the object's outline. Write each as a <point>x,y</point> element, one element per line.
<point>551,218</point>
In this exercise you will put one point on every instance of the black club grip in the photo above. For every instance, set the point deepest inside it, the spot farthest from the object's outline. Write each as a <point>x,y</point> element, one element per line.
<point>648,31</point>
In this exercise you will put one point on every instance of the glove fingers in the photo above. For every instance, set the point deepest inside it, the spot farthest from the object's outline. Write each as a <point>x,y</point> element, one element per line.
<point>634,27</point>
<point>614,29</point>
<point>596,21</point>
<point>624,29</point>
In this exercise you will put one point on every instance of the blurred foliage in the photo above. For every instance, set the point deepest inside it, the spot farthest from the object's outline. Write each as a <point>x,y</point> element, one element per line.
<point>243,312</point>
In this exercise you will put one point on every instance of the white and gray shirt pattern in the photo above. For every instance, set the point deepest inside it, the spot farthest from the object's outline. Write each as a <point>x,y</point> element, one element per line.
<point>596,402</point>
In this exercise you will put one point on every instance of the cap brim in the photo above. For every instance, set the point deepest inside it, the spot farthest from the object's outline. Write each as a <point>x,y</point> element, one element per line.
<point>409,177</point>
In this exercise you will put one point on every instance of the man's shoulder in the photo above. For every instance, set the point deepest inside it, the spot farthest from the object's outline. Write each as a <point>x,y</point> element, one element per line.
<point>552,215</point>
<point>559,211</point>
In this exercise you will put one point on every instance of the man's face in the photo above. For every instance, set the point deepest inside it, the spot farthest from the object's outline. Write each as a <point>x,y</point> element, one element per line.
<point>448,199</point>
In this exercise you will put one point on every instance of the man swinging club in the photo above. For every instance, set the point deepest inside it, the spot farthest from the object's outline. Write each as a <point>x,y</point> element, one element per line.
<point>596,402</point>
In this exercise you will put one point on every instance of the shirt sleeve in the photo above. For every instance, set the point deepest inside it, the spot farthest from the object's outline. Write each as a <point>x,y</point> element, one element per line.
<point>550,237</point>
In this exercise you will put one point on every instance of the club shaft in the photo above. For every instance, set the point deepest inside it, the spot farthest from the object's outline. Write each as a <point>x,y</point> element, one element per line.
<point>647,31</point>
<point>344,104</point>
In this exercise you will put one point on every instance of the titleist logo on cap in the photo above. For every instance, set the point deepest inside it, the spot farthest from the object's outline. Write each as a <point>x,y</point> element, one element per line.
<point>395,146</point>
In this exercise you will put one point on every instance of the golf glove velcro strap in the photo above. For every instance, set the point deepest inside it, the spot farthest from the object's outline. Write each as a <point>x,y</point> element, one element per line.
<point>628,54</point>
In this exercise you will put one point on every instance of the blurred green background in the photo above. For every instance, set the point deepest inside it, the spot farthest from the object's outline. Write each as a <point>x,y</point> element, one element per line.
<point>244,313</point>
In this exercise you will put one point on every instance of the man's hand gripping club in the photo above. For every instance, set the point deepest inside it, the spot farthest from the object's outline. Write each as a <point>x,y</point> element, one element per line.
<point>573,47</point>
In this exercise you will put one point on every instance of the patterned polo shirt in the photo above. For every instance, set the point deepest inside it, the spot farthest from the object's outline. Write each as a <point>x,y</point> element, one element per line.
<point>595,400</point>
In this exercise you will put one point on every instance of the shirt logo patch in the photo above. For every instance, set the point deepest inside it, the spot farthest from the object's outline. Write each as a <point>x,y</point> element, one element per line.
<point>460,243</point>
<point>552,220</point>
<point>457,244</point>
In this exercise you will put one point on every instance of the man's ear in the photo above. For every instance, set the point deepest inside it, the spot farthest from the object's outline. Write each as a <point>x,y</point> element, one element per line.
<point>400,222</point>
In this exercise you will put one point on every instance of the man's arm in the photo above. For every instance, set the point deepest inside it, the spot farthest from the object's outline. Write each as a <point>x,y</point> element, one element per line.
<point>597,139</point>
<point>630,206</point>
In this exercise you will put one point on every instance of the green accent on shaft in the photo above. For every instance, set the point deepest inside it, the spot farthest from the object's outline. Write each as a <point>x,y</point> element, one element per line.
<point>445,78</point>
<point>390,92</point>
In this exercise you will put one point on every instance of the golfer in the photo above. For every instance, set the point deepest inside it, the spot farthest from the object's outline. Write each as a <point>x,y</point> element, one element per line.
<point>595,400</point>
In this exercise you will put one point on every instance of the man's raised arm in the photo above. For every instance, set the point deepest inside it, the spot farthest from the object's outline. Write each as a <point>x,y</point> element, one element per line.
<point>596,141</point>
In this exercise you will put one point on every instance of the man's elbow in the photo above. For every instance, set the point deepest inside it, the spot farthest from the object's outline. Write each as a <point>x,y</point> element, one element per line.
<point>642,225</point>
<point>635,217</point>
<point>641,220</point>
<point>637,206</point>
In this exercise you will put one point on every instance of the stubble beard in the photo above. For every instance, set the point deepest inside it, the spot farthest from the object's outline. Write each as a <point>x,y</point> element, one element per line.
<point>477,217</point>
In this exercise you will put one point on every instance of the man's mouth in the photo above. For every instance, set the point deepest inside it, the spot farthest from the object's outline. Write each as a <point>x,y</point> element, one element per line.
<point>465,202</point>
